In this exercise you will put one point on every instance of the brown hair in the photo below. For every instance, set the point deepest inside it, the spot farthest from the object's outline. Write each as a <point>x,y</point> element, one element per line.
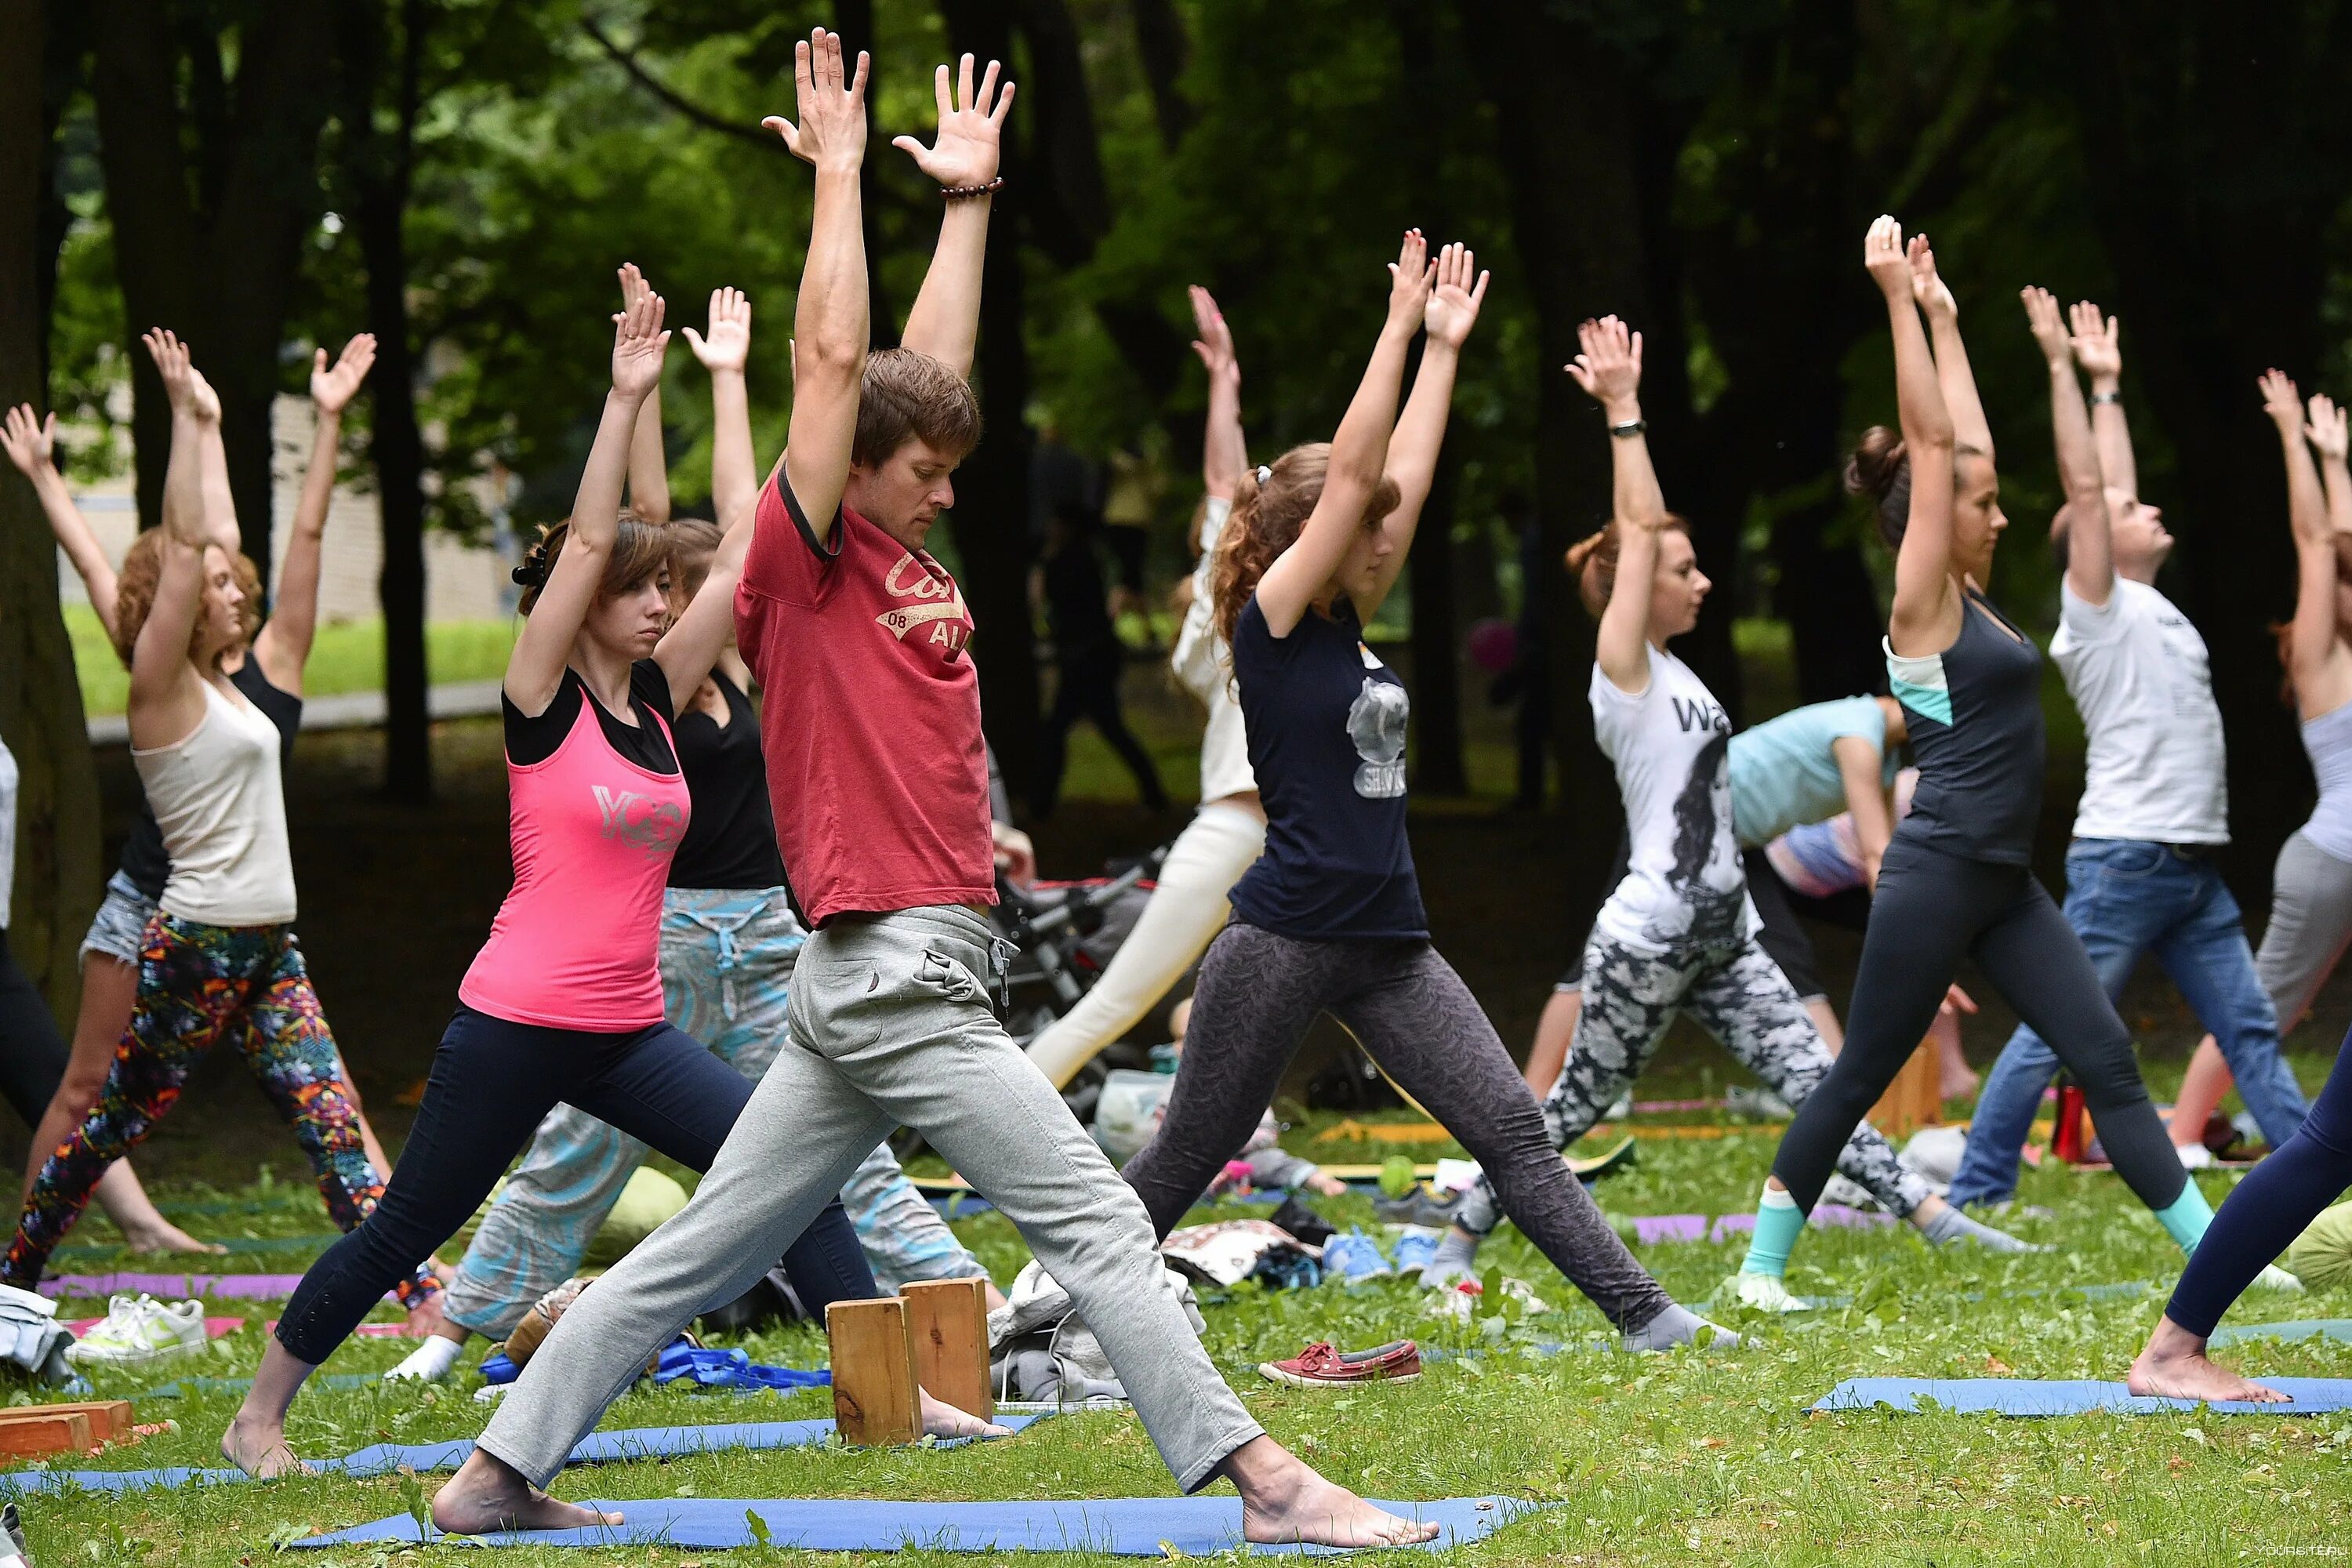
<point>2283,632</point>
<point>142,572</point>
<point>1592,560</point>
<point>641,550</point>
<point>1881,469</point>
<point>1266,517</point>
<point>693,545</point>
<point>907,396</point>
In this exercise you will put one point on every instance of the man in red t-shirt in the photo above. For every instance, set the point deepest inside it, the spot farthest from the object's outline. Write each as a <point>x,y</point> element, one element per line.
<point>880,787</point>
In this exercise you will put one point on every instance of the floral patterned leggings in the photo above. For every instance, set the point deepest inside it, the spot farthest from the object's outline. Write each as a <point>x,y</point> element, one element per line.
<point>197,984</point>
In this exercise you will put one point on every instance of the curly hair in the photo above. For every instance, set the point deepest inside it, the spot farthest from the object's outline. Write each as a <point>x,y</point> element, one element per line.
<point>135,594</point>
<point>1266,517</point>
<point>1592,560</point>
<point>639,551</point>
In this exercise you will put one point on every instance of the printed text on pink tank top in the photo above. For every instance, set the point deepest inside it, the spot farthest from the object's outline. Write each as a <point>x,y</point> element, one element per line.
<point>653,825</point>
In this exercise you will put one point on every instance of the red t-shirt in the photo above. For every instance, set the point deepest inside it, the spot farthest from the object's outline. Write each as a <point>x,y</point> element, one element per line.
<point>871,729</point>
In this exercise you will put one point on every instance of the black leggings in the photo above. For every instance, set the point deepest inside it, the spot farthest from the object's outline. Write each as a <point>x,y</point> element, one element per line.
<point>1931,909</point>
<point>1256,995</point>
<point>492,1081</point>
<point>2268,1209</point>
<point>33,1055</point>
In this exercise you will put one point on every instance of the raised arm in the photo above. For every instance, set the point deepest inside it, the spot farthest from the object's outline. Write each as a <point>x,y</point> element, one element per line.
<point>2090,539</point>
<point>535,669</point>
<point>2327,434</point>
<point>32,443</point>
<point>1360,452</point>
<point>1934,296</point>
<point>1926,613</point>
<point>284,645</point>
<point>962,161</point>
<point>1609,371</point>
<point>830,323</point>
<point>1224,452</point>
<point>1860,767</point>
<point>165,704</point>
<point>1452,310</point>
<point>734,477</point>
<point>648,459</point>
<point>691,646</point>
<point>2099,349</point>
<point>2317,661</point>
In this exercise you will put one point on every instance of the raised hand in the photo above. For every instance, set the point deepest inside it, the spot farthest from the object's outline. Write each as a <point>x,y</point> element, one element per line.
<point>1609,367</point>
<point>639,344</point>
<point>1882,258</point>
<point>2326,430</point>
<point>185,385</point>
<point>333,389</point>
<point>2049,327</point>
<point>31,442</point>
<point>1927,287</point>
<point>831,105</point>
<point>2281,401</point>
<point>2098,342</point>
<point>972,125</point>
<point>729,346</point>
<point>1215,343</point>
<point>1454,299</point>
<point>1410,278</point>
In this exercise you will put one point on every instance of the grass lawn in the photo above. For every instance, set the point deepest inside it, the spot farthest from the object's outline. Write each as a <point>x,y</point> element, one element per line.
<point>347,655</point>
<point>1709,1457</point>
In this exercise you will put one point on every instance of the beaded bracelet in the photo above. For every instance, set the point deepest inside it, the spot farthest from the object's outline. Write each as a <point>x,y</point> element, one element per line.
<point>965,193</point>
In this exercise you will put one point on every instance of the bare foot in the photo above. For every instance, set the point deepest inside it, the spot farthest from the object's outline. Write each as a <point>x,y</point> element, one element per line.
<point>1326,1185</point>
<point>2175,1366</point>
<point>485,1495</point>
<point>941,1419</point>
<point>1286,1502</point>
<point>261,1450</point>
<point>164,1237</point>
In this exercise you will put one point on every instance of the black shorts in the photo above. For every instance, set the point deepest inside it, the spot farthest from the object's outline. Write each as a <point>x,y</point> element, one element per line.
<point>1783,938</point>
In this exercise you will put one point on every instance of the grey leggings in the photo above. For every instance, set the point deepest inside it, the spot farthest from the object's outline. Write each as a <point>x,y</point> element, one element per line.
<point>2311,923</point>
<point>1256,995</point>
<point>1739,995</point>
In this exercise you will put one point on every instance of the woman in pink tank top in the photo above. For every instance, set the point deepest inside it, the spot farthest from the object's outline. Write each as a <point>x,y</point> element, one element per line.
<point>564,1002</point>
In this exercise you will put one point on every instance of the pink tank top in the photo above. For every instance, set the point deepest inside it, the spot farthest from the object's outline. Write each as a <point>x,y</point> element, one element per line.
<point>576,944</point>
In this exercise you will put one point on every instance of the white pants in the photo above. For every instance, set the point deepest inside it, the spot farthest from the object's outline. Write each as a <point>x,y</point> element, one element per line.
<point>1184,913</point>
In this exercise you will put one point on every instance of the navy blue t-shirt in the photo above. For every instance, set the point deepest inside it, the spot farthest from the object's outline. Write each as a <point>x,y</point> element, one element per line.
<point>1325,721</point>
<point>1975,715</point>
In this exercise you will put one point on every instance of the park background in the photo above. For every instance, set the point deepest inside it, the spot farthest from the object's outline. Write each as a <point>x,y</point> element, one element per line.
<point>460,178</point>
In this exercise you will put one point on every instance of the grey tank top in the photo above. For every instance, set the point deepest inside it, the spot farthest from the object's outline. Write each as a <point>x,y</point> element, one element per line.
<point>2328,739</point>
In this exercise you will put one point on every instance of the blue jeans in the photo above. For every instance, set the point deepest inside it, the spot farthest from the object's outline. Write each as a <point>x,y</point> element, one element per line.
<point>2125,896</point>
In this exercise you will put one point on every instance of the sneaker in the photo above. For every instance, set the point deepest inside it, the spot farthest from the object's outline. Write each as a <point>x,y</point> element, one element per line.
<point>1354,1257</point>
<point>1416,1249</point>
<point>2194,1156</point>
<point>138,1328</point>
<point>1320,1366</point>
<point>1302,1222</point>
<point>1764,1293</point>
<point>1420,1206</point>
<point>2273,1277</point>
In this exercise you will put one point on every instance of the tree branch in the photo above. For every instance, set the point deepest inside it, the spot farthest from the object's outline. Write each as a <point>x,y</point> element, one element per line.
<point>627,60</point>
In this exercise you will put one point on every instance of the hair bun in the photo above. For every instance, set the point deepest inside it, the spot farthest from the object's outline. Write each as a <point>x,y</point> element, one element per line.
<point>1877,462</point>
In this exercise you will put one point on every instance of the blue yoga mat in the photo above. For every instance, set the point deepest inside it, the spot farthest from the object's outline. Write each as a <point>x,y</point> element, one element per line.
<point>383,1459</point>
<point>2024,1397</point>
<point>1122,1527</point>
<point>2301,1328</point>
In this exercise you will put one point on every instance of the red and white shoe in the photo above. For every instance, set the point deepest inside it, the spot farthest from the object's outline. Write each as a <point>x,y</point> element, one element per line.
<point>1321,1366</point>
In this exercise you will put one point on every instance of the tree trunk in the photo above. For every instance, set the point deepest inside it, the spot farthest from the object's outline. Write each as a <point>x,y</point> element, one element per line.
<point>2221,273</point>
<point>992,511</point>
<point>1162,49</point>
<point>1437,765</point>
<point>56,871</point>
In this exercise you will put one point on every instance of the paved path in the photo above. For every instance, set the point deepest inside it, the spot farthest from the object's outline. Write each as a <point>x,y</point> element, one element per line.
<point>344,710</point>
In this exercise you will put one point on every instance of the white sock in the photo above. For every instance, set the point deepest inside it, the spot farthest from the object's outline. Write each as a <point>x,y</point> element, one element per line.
<point>430,1363</point>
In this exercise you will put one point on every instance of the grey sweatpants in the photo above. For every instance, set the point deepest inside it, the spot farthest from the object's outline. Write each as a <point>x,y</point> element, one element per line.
<point>1257,993</point>
<point>1739,995</point>
<point>2310,924</point>
<point>890,1024</point>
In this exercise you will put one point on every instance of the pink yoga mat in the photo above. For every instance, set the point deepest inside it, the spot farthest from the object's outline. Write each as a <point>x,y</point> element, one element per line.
<point>237,1287</point>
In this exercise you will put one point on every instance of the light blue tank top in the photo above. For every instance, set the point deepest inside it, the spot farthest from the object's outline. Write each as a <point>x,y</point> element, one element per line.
<point>2328,739</point>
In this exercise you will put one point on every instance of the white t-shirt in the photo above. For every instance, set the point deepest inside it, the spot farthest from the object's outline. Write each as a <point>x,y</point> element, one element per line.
<point>1685,887</point>
<point>2138,672</point>
<point>1201,664</point>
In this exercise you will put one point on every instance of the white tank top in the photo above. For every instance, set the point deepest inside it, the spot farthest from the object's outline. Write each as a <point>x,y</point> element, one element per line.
<point>220,801</point>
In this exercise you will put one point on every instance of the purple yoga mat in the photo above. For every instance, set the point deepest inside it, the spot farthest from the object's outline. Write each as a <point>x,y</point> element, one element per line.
<point>1650,1229</point>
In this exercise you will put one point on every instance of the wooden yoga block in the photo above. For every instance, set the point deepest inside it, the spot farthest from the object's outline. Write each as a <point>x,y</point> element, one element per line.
<point>32,1431</point>
<point>110,1419</point>
<point>948,1320</point>
<point>1916,1097</point>
<point>874,1399</point>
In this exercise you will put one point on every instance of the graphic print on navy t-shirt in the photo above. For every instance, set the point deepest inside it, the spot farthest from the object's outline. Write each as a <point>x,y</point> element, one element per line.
<point>1376,723</point>
<point>940,609</point>
<point>1714,916</point>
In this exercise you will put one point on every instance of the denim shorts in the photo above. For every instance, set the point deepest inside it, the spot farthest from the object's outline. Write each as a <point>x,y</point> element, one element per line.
<point>121,918</point>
